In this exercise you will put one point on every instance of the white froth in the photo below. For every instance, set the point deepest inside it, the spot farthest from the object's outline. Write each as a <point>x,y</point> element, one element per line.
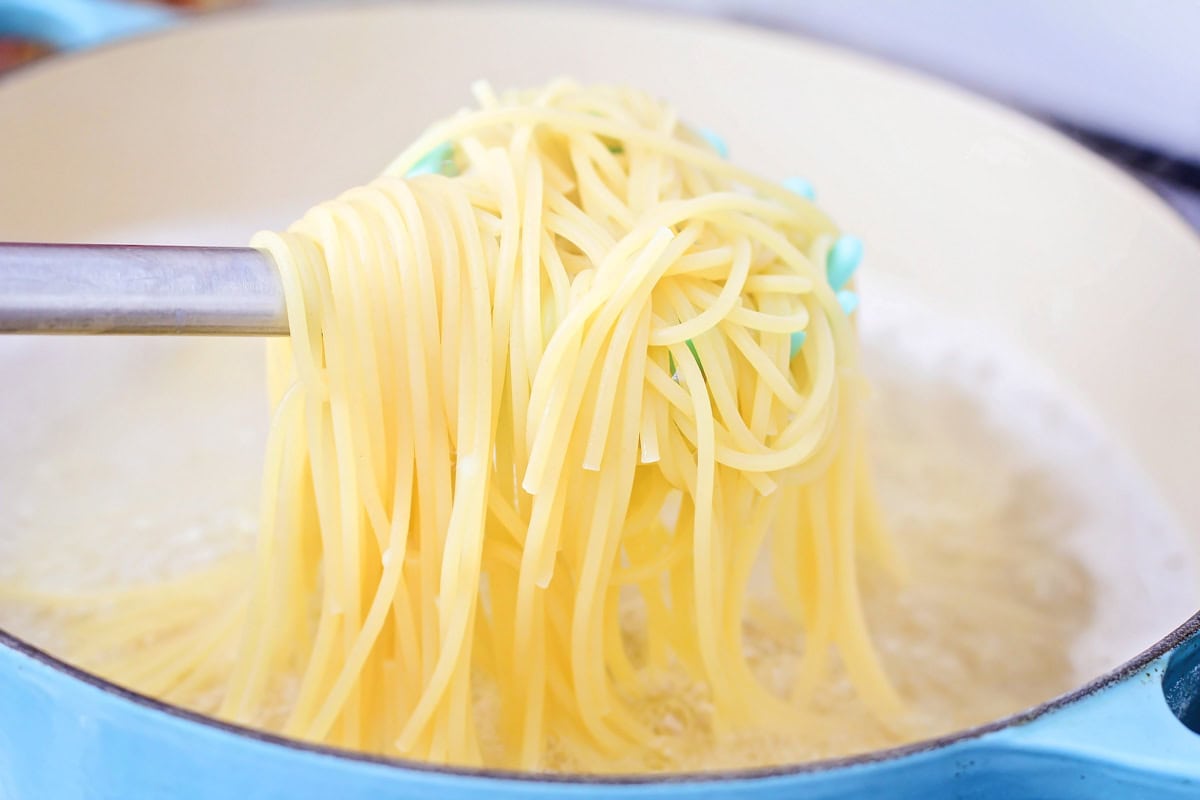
<point>1142,561</point>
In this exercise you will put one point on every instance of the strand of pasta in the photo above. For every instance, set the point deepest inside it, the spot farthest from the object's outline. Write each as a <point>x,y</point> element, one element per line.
<point>543,362</point>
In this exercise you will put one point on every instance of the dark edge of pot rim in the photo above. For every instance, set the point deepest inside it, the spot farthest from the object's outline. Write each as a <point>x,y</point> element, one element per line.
<point>1172,640</point>
<point>1189,628</point>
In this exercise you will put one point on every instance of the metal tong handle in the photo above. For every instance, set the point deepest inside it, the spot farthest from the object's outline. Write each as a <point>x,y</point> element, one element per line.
<point>139,289</point>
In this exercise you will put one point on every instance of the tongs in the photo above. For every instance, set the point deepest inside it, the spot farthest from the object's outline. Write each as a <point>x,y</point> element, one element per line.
<point>139,289</point>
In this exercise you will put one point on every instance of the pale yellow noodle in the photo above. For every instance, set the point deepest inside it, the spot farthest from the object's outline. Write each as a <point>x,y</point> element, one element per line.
<point>547,377</point>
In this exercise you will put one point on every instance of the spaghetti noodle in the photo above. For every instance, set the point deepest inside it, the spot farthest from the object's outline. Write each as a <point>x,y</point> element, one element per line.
<point>556,382</point>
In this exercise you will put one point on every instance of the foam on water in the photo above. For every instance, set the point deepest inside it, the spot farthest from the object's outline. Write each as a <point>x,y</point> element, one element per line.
<point>1142,561</point>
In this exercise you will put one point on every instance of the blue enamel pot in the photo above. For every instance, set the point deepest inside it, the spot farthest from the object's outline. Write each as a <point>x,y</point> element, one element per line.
<point>204,120</point>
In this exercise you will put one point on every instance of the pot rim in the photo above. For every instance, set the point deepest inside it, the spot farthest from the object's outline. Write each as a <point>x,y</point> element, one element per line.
<point>1190,628</point>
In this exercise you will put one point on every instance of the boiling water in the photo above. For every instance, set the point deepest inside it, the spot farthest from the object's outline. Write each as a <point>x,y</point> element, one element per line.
<point>1038,557</point>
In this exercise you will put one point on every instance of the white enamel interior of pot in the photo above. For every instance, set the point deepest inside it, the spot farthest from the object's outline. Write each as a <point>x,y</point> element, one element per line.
<point>244,120</point>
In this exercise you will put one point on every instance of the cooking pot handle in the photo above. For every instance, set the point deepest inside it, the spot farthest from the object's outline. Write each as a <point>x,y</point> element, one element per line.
<point>1141,729</point>
<point>74,24</point>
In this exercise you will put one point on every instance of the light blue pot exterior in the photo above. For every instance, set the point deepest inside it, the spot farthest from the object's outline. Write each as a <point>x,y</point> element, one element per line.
<point>65,735</point>
<point>74,24</point>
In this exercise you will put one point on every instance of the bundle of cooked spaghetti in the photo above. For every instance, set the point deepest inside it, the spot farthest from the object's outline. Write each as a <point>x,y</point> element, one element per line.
<point>556,383</point>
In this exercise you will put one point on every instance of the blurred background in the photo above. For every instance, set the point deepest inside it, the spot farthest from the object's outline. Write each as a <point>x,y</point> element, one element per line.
<point>1122,77</point>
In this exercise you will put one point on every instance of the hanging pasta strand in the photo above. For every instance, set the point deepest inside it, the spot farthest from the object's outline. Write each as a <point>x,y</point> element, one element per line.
<point>560,360</point>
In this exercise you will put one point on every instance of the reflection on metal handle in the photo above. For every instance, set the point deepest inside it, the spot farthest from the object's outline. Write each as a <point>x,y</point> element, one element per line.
<point>51,288</point>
